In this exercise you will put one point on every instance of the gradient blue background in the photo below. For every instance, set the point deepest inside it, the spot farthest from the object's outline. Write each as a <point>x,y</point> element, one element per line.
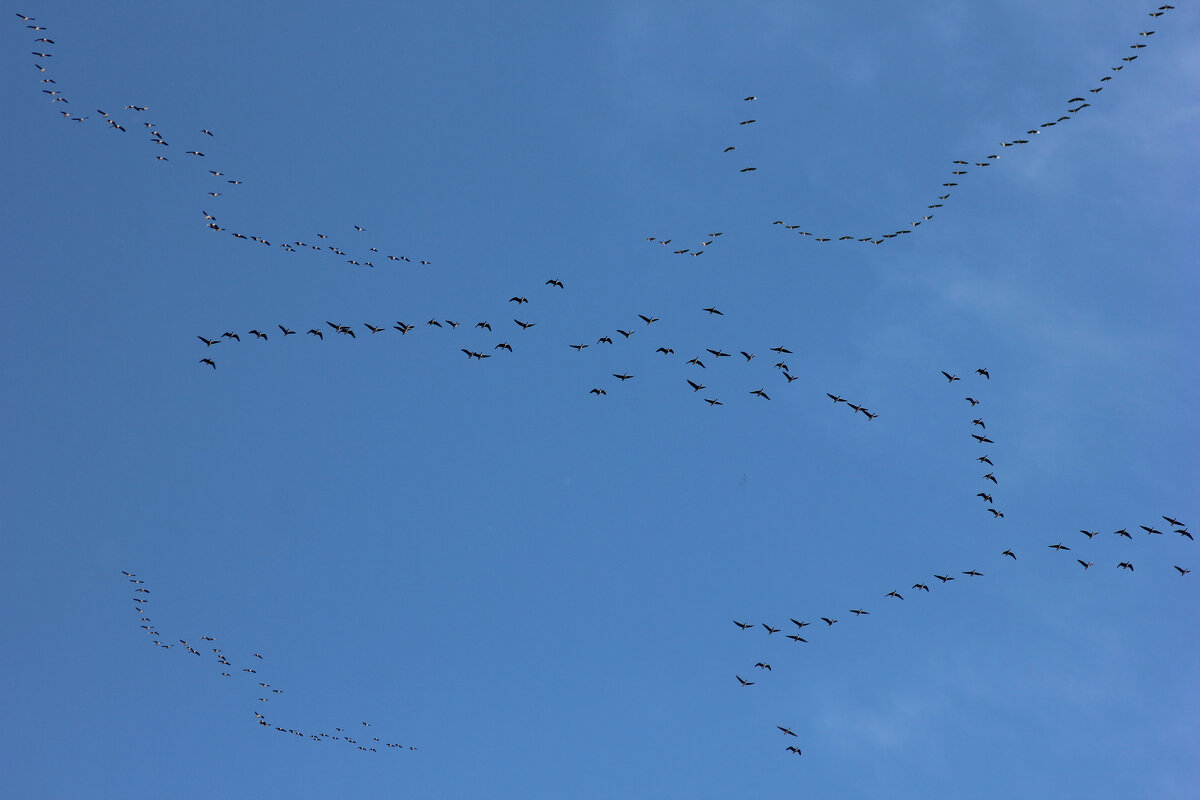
<point>533,585</point>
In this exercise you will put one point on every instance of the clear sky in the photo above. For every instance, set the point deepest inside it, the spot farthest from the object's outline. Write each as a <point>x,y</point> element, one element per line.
<point>535,585</point>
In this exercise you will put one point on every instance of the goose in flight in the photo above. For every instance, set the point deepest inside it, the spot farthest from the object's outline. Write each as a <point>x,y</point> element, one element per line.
<point>1182,571</point>
<point>792,749</point>
<point>921,586</point>
<point>743,625</point>
<point>770,630</point>
<point>787,731</point>
<point>973,573</point>
<point>713,402</point>
<point>1125,565</point>
<point>713,310</point>
<point>828,621</point>
<point>1085,564</point>
<point>287,332</point>
<point>981,439</point>
<point>579,348</point>
<point>697,362</point>
<point>626,334</point>
<point>503,346</point>
<point>951,378</point>
<point>209,342</point>
<point>598,392</point>
<point>1124,533</point>
<point>1010,554</point>
<point>666,351</point>
<point>518,300</point>
<point>761,394</point>
<point>763,665</point>
<point>209,361</point>
<point>743,681</point>
<point>1059,546</point>
<point>695,386</point>
<point>985,460</point>
<point>622,377</point>
<point>835,398</point>
<point>646,319</point>
<point>525,325</point>
<point>944,578</point>
<point>1089,534</point>
<point>796,638</point>
<point>555,282</point>
<point>894,594</point>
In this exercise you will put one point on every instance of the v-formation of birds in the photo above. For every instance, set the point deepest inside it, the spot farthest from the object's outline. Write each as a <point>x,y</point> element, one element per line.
<point>321,243</point>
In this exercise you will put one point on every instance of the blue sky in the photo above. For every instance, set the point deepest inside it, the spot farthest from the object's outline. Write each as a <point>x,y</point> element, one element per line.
<point>533,585</point>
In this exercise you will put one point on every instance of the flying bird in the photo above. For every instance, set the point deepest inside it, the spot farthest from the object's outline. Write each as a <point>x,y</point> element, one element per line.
<point>951,378</point>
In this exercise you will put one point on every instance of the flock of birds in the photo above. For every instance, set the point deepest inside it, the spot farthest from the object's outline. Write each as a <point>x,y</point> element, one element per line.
<point>698,365</point>
<point>217,180</point>
<point>205,647</point>
<point>960,167</point>
<point>702,358</point>
<point>923,583</point>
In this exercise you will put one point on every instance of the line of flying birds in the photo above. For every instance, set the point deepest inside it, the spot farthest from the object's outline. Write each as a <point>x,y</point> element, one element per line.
<point>236,672</point>
<point>156,138</point>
